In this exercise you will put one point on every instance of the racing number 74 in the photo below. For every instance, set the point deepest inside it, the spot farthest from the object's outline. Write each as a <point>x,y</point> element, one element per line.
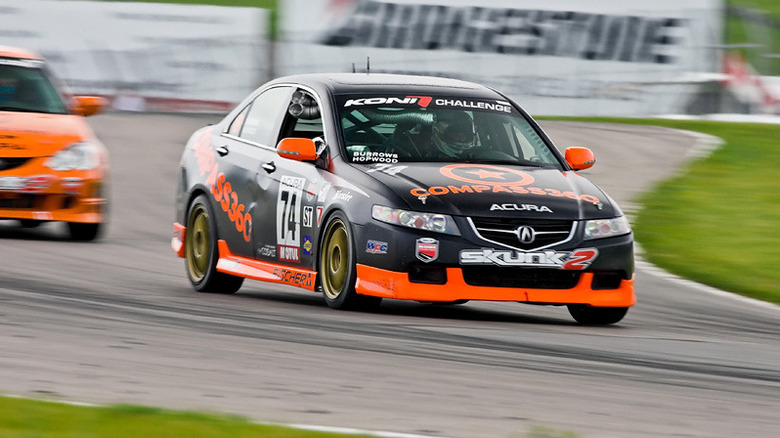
<point>288,221</point>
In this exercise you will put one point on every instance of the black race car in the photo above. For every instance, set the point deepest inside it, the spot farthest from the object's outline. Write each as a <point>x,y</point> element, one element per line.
<point>371,186</point>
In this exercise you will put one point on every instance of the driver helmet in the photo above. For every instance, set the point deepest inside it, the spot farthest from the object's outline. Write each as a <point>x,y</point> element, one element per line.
<point>453,132</point>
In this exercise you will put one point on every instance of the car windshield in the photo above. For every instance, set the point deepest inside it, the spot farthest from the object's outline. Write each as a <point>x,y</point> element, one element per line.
<point>25,87</point>
<point>390,129</point>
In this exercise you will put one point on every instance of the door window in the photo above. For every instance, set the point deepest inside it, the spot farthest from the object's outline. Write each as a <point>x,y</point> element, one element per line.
<point>263,116</point>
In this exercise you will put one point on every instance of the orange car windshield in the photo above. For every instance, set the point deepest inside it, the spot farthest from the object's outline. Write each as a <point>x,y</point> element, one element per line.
<point>25,87</point>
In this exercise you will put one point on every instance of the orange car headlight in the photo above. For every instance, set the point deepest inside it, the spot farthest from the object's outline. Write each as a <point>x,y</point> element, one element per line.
<point>78,156</point>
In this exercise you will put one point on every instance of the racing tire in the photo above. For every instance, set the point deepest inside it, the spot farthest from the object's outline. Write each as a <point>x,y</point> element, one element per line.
<point>82,232</point>
<point>589,315</point>
<point>201,254</point>
<point>337,267</point>
<point>30,223</point>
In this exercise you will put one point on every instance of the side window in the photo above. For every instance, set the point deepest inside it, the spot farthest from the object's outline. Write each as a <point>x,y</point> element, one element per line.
<point>307,128</point>
<point>303,117</point>
<point>532,146</point>
<point>263,116</point>
<point>238,122</point>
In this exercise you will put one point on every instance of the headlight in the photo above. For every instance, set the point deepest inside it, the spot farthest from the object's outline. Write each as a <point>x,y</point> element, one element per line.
<point>78,156</point>
<point>440,223</point>
<point>601,228</point>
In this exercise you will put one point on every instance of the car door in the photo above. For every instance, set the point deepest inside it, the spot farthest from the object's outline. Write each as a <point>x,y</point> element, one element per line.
<point>245,150</point>
<point>296,186</point>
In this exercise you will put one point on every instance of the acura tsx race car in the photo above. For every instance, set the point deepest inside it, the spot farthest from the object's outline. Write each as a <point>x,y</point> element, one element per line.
<point>371,186</point>
<point>52,167</point>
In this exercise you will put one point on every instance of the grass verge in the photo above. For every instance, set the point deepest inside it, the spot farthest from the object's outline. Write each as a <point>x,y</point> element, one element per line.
<point>23,418</point>
<point>718,222</point>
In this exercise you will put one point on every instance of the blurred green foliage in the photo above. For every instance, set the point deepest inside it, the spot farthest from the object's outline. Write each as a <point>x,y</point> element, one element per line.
<point>23,418</point>
<point>739,31</point>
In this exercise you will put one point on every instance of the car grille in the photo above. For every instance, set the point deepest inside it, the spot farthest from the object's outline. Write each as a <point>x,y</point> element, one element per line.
<point>10,163</point>
<point>505,231</point>
<point>531,278</point>
<point>18,202</point>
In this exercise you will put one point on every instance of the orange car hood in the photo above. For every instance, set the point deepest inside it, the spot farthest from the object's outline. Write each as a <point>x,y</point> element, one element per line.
<point>39,135</point>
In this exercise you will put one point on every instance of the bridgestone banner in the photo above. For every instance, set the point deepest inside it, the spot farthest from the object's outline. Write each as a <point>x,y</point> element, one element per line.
<point>605,57</point>
<point>145,56</point>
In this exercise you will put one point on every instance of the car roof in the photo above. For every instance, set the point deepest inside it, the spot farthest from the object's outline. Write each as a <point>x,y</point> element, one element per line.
<point>342,83</point>
<point>14,52</point>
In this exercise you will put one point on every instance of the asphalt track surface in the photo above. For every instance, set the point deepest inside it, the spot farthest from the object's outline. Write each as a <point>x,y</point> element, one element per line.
<point>117,322</point>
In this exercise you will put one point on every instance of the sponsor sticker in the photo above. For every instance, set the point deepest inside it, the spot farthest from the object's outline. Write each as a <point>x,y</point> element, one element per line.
<point>483,178</point>
<point>427,249</point>
<point>499,106</point>
<point>42,215</point>
<point>301,279</point>
<point>570,260</point>
<point>487,174</point>
<point>323,192</point>
<point>289,253</point>
<point>422,101</point>
<point>72,185</point>
<point>310,192</point>
<point>376,247</point>
<point>267,251</point>
<point>374,157</point>
<point>308,216</point>
<point>342,195</point>
<point>307,245</point>
<point>12,183</point>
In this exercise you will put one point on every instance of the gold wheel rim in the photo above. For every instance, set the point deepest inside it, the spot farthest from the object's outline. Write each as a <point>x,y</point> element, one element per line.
<point>197,243</point>
<point>335,260</point>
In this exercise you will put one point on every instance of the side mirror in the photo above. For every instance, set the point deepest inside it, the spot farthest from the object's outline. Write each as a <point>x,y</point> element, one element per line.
<point>580,158</point>
<point>88,105</point>
<point>298,149</point>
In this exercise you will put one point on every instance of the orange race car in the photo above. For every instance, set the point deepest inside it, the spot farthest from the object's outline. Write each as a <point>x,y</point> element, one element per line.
<point>52,167</point>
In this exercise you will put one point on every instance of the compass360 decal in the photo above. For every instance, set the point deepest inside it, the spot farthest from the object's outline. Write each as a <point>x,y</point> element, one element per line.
<point>221,190</point>
<point>481,178</point>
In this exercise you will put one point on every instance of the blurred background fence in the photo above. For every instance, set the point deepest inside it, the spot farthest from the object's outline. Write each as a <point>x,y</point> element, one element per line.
<point>556,57</point>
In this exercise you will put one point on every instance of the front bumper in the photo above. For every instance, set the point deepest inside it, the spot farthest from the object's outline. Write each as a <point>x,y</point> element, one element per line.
<point>69,199</point>
<point>392,263</point>
<point>397,285</point>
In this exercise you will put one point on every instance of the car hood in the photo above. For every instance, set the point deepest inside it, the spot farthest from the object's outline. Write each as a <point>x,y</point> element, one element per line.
<point>494,190</point>
<point>39,135</point>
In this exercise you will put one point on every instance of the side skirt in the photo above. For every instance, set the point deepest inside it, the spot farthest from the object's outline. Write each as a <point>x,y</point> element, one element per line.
<point>264,271</point>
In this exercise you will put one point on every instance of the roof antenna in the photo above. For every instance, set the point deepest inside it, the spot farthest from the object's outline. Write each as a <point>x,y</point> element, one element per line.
<point>353,67</point>
<point>368,64</point>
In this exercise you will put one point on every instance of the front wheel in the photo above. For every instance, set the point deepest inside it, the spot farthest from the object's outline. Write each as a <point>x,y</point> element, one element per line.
<point>200,252</point>
<point>337,267</point>
<point>589,315</point>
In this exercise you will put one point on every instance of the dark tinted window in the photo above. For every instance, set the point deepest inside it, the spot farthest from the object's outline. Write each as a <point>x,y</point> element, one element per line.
<point>439,129</point>
<point>25,86</point>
